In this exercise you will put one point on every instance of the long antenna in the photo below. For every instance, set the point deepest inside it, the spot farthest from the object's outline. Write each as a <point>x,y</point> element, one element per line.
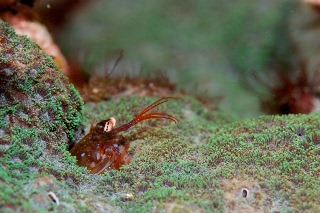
<point>143,116</point>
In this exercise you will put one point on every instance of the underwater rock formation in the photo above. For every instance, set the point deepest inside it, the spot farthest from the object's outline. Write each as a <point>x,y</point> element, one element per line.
<point>39,109</point>
<point>203,164</point>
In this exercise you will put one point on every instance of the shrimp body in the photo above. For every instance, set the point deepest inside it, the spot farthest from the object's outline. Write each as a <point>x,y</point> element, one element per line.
<point>102,148</point>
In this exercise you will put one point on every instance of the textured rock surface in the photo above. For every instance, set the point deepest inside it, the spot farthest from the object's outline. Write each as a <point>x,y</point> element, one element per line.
<point>39,111</point>
<point>34,93</point>
<point>202,164</point>
<point>270,163</point>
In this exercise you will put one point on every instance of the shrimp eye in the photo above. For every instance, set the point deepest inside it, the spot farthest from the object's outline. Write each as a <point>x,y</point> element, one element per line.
<point>110,123</point>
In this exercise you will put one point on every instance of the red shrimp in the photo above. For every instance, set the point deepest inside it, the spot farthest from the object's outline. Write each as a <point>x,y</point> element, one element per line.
<point>103,148</point>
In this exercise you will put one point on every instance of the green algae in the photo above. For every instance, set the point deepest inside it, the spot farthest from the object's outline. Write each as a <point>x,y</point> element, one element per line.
<point>39,112</point>
<point>201,163</point>
<point>190,165</point>
<point>186,163</point>
<point>30,78</point>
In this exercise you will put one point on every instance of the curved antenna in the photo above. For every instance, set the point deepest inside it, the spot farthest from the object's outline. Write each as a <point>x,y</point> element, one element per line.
<point>155,104</point>
<point>143,116</point>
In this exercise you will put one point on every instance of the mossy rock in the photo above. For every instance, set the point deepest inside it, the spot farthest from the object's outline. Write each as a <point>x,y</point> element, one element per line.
<point>39,113</point>
<point>204,163</point>
<point>270,163</point>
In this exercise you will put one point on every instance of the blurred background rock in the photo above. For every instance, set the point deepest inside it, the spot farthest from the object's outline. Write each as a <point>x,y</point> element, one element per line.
<point>205,47</point>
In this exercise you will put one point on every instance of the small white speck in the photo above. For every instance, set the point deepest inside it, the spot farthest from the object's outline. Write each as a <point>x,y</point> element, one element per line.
<point>98,155</point>
<point>245,192</point>
<point>48,6</point>
<point>129,195</point>
<point>54,198</point>
<point>83,154</point>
